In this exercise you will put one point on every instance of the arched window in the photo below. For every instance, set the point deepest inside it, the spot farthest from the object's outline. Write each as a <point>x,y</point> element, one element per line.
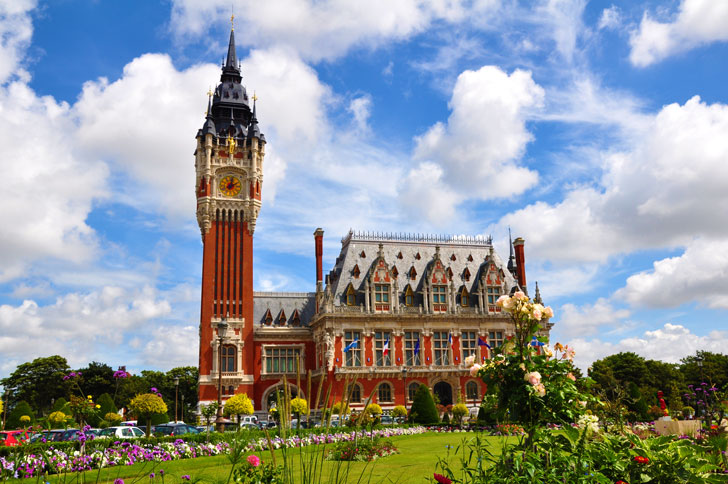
<point>354,393</point>
<point>409,297</point>
<point>228,358</point>
<point>384,394</point>
<point>412,390</point>
<point>350,296</point>
<point>471,390</point>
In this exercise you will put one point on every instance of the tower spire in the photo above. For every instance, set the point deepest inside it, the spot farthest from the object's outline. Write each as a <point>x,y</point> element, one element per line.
<point>512,257</point>
<point>231,61</point>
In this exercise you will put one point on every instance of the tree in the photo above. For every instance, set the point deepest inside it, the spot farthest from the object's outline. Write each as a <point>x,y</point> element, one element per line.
<point>38,383</point>
<point>145,406</point>
<point>423,409</point>
<point>97,378</point>
<point>58,419</point>
<point>459,411</point>
<point>399,411</point>
<point>21,408</point>
<point>707,367</point>
<point>59,404</point>
<point>107,404</point>
<point>208,412</point>
<point>238,405</point>
<point>112,418</point>
<point>623,367</point>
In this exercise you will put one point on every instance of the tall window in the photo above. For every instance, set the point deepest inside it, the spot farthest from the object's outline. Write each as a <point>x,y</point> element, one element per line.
<point>468,344</point>
<point>353,356</point>
<point>412,390</point>
<point>354,393</point>
<point>228,358</point>
<point>384,393</point>
<point>494,292</point>
<point>411,338</point>
<point>441,348</point>
<point>380,338</point>
<point>281,359</point>
<point>495,338</point>
<point>439,298</point>
<point>381,297</point>
<point>471,390</point>
<point>464,298</point>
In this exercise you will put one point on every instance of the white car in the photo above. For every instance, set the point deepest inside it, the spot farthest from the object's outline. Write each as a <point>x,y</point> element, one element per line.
<point>124,432</point>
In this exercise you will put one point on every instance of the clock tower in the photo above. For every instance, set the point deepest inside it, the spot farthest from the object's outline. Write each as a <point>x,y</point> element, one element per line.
<point>229,179</point>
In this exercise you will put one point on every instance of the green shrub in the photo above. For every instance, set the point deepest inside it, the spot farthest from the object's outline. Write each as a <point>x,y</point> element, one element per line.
<point>423,409</point>
<point>22,408</point>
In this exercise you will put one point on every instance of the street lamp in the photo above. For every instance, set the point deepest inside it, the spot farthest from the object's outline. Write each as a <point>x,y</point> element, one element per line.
<point>404,376</point>
<point>699,358</point>
<point>176,393</point>
<point>222,327</point>
<point>183,407</point>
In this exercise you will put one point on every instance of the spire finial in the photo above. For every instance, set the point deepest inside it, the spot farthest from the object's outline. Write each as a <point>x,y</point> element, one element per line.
<point>232,18</point>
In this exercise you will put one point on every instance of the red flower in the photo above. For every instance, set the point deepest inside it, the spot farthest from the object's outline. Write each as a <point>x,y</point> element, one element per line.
<point>621,482</point>
<point>441,479</point>
<point>641,460</point>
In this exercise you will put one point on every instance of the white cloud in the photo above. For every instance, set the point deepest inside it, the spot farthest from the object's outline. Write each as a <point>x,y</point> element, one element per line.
<point>16,30</point>
<point>476,153</point>
<point>91,320</point>
<point>173,345</point>
<point>322,29</point>
<point>669,343</point>
<point>699,274</point>
<point>610,19</point>
<point>698,22</point>
<point>577,321</point>
<point>655,196</point>
<point>360,108</point>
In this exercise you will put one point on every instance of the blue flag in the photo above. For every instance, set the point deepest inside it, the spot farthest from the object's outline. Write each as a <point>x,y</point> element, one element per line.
<point>449,339</point>
<point>417,347</point>
<point>536,342</point>
<point>482,342</point>
<point>351,345</point>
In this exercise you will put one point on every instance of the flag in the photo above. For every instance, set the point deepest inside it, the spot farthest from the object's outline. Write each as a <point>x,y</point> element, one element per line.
<point>417,347</point>
<point>449,339</point>
<point>385,348</point>
<point>482,342</point>
<point>536,342</point>
<point>351,345</point>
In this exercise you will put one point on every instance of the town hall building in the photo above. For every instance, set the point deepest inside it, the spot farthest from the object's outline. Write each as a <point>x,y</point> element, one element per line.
<point>394,312</point>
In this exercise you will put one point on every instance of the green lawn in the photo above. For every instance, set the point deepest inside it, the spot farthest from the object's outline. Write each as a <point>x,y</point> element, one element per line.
<point>415,462</point>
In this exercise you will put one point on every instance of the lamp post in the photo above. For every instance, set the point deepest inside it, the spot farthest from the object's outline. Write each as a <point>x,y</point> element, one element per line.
<point>404,376</point>
<point>183,407</point>
<point>221,329</point>
<point>176,393</point>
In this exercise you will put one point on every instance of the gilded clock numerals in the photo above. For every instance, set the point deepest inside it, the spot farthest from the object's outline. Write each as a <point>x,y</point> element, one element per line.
<point>230,186</point>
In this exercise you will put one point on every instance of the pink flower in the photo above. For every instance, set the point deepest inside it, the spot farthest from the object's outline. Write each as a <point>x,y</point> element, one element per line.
<point>540,389</point>
<point>254,460</point>
<point>569,352</point>
<point>571,376</point>
<point>520,295</point>
<point>536,314</point>
<point>474,370</point>
<point>534,378</point>
<point>501,300</point>
<point>548,312</point>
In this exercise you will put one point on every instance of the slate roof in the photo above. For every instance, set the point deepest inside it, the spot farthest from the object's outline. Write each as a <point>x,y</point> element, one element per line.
<point>361,251</point>
<point>288,302</point>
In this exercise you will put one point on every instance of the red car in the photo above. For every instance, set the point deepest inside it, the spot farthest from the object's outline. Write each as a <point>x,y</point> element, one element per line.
<point>13,438</point>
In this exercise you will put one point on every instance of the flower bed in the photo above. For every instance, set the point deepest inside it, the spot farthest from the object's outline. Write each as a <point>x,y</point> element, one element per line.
<point>54,461</point>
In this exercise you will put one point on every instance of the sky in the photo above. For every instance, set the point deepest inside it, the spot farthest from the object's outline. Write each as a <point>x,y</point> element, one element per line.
<point>595,130</point>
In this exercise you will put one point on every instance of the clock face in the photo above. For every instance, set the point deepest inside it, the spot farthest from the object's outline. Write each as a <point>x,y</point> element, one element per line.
<point>230,186</point>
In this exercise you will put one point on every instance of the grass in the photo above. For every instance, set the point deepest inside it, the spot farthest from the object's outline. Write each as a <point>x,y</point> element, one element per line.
<point>415,462</point>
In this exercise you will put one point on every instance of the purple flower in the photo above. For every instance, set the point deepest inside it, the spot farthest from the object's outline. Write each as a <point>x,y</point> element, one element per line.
<point>154,390</point>
<point>118,481</point>
<point>186,477</point>
<point>161,472</point>
<point>120,374</point>
<point>151,475</point>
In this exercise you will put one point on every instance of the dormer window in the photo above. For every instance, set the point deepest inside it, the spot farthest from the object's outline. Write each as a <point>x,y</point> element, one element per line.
<point>295,318</point>
<point>470,258</point>
<point>453,258</point>
<point>363,254</point>
<point>464,298</point>
<point>395,272</point>
<point>409,297</point>
<point>449,273</point>
<point>282,318</point>
<point>355,271</point>
<point>439,298</point>
<point>493,293</point>
<point>417,256</point>
<point>350,296</point>
<point>412,273</point>
<point>466,274</point>
<point>400,256</point>
<point>268,319</point>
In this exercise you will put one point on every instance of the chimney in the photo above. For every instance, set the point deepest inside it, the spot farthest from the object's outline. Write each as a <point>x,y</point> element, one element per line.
<point>520,263</point>
<point>318,237</point>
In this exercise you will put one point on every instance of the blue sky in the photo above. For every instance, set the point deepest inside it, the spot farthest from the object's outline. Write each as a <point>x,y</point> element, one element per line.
<point>595,130</point>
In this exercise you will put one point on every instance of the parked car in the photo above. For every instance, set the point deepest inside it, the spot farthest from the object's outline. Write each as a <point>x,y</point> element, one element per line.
<point>47,436</point>
<point>386,420</point>
<point>13,438</point>
<point>249,419</point>
<point>123,432</point>
<point>174,429</point>
<point>267,424</point>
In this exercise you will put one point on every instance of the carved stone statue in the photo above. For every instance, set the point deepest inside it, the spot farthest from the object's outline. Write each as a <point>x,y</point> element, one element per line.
<point>330,351</point>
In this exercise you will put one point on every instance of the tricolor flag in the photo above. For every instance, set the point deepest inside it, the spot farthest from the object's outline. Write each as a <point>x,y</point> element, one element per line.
<point>449,339</point>
<point>417,347</point>
<point>482,342</point>
<point>351,345</point>
<point>385,348</point>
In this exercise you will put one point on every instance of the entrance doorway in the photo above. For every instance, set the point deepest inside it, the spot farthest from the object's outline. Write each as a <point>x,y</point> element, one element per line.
<point>443,390</point>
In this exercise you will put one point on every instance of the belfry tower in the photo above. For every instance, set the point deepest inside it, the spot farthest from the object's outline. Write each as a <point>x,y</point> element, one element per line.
<point>229,178</point>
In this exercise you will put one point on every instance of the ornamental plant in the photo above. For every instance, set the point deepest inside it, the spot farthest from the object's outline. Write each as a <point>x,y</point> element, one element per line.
<point>238,405</point>
<point>341,408</point>
<point>534,384</point>
<point>459,410</point>
<point>57,419</point>
<point>145,405</point>
<point>423,410</point>
<point>299,406</point>
<point>112,418</point>
<point>399,411</point>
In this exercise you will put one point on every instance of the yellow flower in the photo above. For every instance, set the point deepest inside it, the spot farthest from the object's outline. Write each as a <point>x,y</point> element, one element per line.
<point>98,406</point>
<point>89,397</point>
